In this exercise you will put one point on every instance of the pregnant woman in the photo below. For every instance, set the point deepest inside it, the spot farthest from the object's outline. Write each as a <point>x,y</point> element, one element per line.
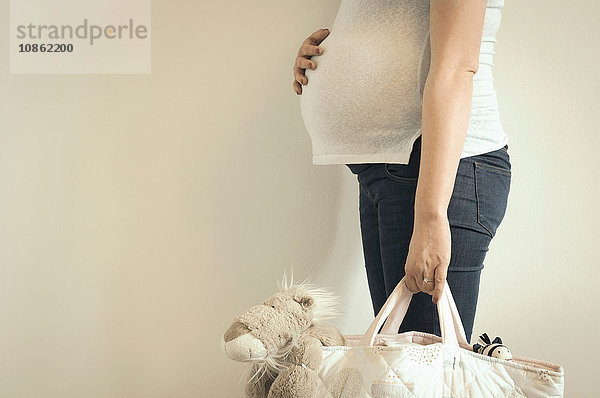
<point>401,91</point>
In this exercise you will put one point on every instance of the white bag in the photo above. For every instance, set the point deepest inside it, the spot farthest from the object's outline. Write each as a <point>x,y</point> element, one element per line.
<point>417,364</point>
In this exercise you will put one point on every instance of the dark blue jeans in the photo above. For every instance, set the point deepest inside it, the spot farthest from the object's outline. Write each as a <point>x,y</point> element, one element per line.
<point>475,211</point>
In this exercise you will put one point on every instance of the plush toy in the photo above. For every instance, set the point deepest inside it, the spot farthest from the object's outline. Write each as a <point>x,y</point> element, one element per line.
<point>282,338</point>
<point>492,348</point>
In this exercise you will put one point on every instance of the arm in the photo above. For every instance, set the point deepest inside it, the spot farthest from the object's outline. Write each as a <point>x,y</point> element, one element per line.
<point>456,31</point>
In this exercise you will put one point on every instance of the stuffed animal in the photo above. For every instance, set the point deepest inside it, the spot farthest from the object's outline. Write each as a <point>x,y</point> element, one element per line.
<point>492,348</point>
<point>282,338</point>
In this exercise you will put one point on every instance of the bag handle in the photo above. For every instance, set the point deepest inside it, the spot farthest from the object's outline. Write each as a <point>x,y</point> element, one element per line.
<point>395,308</point>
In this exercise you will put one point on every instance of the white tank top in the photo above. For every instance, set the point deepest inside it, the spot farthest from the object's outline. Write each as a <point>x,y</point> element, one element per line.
<point>363,102</point>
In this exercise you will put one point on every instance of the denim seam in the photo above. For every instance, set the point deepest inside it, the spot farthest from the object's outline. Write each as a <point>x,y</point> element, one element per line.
<point>466,269</point>
<point>462,225</point>
<point>368,193</point>
<point>493,168</point>
<point>406,180</point>
<point>479,218</point>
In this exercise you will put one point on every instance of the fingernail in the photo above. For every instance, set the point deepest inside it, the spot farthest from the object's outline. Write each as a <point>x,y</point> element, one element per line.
<point>318,51</point>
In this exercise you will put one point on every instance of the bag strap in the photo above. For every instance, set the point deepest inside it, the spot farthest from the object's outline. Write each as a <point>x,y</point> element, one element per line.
<point>395,308</point>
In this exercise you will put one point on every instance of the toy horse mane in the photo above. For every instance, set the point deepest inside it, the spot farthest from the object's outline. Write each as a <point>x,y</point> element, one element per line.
<point>326,303</point>
<point>276,360</point>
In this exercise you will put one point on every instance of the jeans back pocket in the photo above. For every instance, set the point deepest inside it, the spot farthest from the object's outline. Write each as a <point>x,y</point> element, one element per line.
<point>492,187</point>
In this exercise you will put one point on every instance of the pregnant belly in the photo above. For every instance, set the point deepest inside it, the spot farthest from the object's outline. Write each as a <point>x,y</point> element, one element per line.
<point>363,86</point>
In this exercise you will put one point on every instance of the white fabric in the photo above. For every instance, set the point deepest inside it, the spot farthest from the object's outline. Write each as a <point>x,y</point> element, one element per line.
<point>363,102</point>
<point>416,364</point>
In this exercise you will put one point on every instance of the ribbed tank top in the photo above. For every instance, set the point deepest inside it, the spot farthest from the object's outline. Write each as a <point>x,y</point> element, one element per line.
<point>363,102</point>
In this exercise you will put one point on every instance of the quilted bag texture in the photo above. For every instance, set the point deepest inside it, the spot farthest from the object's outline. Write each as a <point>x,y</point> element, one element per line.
<point>416,364</point>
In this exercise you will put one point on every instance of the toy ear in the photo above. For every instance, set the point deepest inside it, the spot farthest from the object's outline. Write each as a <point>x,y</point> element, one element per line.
<point>304,301</point>
<point>497,340</point>
<point>485,338</point>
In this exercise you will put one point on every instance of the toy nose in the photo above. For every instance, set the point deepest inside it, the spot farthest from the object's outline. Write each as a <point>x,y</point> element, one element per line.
<point>235,330</point>
<point>244,348</point>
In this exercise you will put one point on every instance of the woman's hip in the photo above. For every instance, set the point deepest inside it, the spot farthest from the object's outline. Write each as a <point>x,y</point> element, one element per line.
<point>479,198</point>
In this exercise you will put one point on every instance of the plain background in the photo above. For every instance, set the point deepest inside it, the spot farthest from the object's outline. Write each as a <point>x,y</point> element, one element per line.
<point>140,214</point>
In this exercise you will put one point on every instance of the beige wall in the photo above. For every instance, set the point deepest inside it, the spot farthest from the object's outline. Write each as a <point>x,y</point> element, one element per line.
<point>140,214</point>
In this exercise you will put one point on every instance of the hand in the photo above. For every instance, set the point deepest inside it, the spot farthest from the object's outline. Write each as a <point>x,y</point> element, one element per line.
<point>309,47</point>
<point>428,256</point>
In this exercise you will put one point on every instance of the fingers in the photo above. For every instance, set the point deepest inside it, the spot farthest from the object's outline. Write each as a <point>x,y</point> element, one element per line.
<point>304,63</point>
<point>412,285</point>
<point>299,78</point>
<point>317,37</point>
<point>427,287</point>
<point>410,270</point>
<point>415,274</point>
<point>420,272</point>
<point>297,87</point>
<point>309,48</point>
<point>300,65</point>
<point>440,278</point>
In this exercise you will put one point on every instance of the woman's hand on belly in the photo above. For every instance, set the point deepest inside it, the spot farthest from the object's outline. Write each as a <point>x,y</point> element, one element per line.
<point>309,47</point>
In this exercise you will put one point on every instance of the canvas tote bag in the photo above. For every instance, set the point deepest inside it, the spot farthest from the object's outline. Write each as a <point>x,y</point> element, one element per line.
<point>417,364</point>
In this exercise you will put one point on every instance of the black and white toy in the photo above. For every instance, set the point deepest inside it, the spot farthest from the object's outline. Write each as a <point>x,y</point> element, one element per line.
<point>492,348</point>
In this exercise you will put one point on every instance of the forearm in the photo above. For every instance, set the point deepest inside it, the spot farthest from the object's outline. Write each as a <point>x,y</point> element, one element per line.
<point>447,99</point>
